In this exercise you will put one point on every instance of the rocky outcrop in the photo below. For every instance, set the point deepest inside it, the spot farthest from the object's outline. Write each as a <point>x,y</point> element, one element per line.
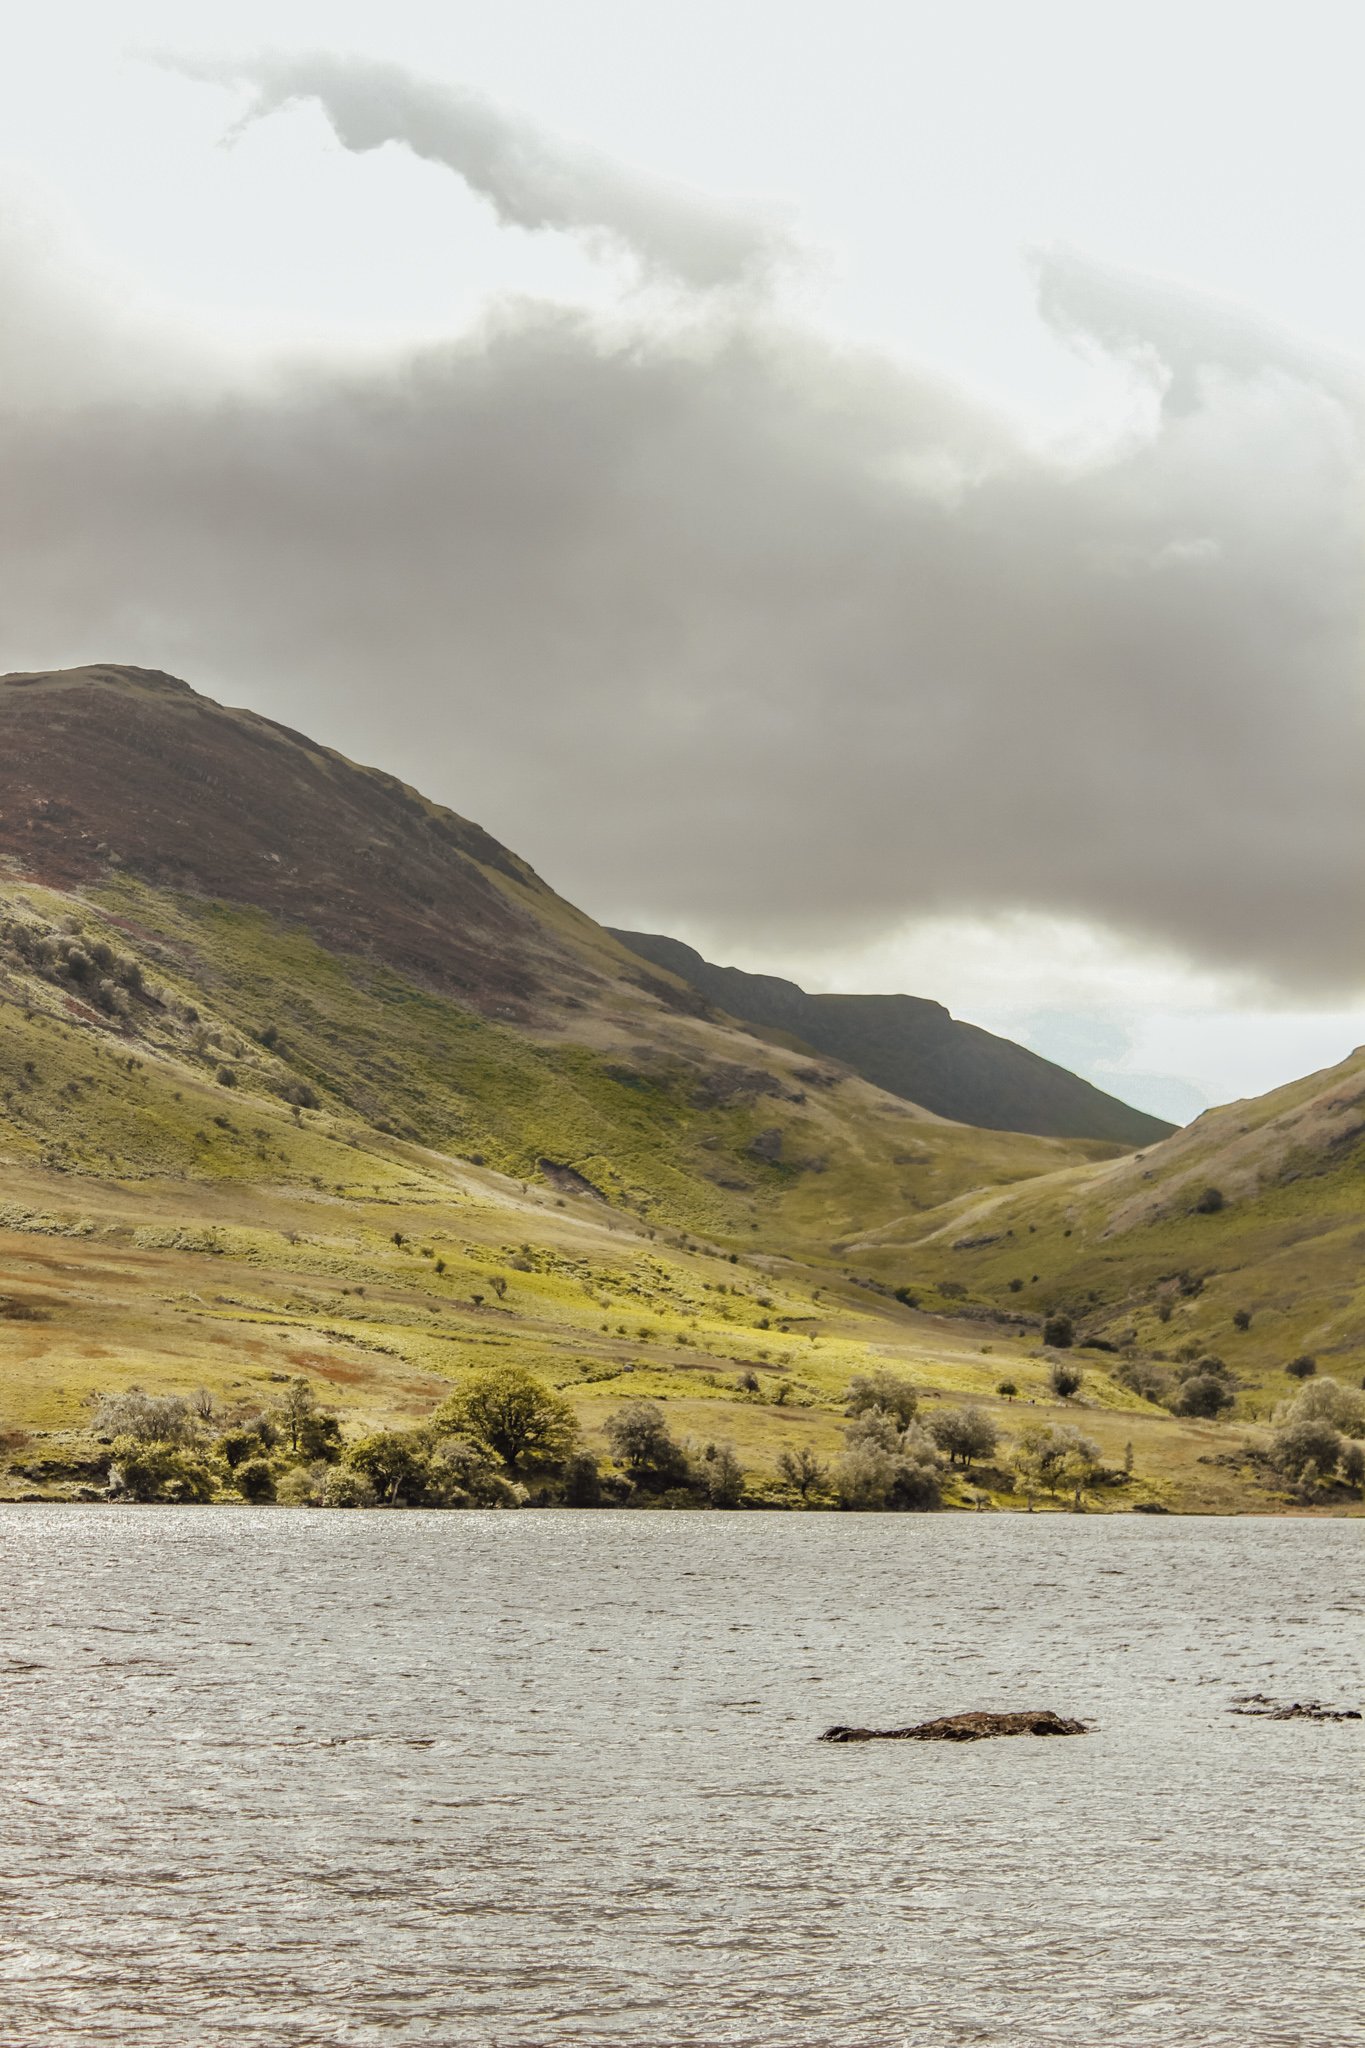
<point>962,1728</point>
<point>1257,1705</point>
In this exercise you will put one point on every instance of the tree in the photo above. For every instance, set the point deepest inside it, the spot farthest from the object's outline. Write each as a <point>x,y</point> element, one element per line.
<point>882,1467</point>
<point>254,1480</point>
<point>802,1471</point>
<point>884,1390</point>
<point>1305,1448</point>
<point>143,1471</point>
<point>1053,1456</point>
<point>300,1417</point>
<point>150,1418</point>
<point>582,1482</point>
<point>393,1462</point>
<point>1007,1390</point>
<point>964,1434</point>
<point>1303,1367</point>
<point>520,1420</point>
<point>641,1441</point>
<point>1059,1331</point>
<point>1066,1380</point>
<point>1210,1201</point>
<point>1204,1394</point>
<point>1326,1400</point>
<point>1241,1319</point>
<point>723,1476</point>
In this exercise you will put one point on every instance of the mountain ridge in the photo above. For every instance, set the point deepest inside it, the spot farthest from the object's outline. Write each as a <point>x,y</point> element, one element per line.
<point>914,1048</point>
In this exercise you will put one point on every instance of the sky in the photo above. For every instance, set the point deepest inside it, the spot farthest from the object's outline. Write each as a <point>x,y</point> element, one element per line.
<point>876,491</point>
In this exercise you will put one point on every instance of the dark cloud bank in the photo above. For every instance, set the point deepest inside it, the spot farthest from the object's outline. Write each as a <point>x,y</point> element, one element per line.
<point>719,622</point>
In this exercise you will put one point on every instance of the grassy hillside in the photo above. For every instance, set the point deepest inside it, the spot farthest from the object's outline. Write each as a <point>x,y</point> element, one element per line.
<point>267,1160</point>
<point>1243,1235</point>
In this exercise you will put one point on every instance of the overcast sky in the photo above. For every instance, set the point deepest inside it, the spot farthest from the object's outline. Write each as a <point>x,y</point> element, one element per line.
<point>877,491</point>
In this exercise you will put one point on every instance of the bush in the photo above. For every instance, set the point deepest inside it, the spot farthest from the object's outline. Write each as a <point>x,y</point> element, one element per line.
<point>1210,1201</point>
<point>1308,1448</point>
<point>1141,1376</point>
<point>964,1434</point>
<point>1303,1367</point>
<point>1007,1390</point>
<point>887,1391</point>
<point>1241,1319</point>
<point>514,1415</point>
<point>1065,1380</point>
<point>641,1441</point>
<point>1059,1331</point>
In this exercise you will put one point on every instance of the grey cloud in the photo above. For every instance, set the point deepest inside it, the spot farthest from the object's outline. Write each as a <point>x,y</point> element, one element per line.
<point>531,179</point>
<point>743,629</point>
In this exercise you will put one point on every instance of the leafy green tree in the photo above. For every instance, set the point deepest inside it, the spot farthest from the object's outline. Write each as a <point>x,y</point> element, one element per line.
<point>802,1471</point>
<point>964,1434</point>
<point>394,1462</point>
<point>298,1406</point>
<point>884,1390</point>
<point>1205,1394</point>
<point>641,1441</point>
<point>1055,1456</point>
<point>1059,1331</point>
<point>582,1482</point>
<point>515,1415</point>
<point>723,1476</point>
<point>254,1480</point>
<point>143,1471</point>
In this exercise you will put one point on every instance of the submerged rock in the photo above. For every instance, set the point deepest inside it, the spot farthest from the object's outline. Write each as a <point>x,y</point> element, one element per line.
<point>962,1728</point>
<point>1264,1709</point>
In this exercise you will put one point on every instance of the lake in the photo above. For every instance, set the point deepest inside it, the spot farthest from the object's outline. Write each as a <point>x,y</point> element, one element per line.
<point>277,1778</point>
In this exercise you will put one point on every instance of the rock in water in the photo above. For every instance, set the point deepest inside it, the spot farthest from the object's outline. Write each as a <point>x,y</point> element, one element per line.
<point>962,1728</point>
<point>1256,1704</point>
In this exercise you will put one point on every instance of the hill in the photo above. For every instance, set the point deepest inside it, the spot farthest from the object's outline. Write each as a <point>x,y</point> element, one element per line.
<point>913,1048</point>
<point>301,1074</point>
<point>1242,1235</point>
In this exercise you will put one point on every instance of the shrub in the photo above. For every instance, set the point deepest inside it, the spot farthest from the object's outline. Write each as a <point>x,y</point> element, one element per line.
<point>1059,1331</point>
<point>1065,1380</point>
<point>515,1415</point>
<point>1303,1367</point>
<point>1007,1390</point>
<point>887,1391</point>
<point>1210,1201</point>
<point>1306,1449</point>
<point>225,1077</point>
<point>1241,1319</point>
<point>1142,1377</point>
<point>964,1434</point>
<point>907,1297</point>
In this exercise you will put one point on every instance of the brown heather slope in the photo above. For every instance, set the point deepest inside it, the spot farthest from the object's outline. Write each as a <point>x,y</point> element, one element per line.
<point>107,766</point>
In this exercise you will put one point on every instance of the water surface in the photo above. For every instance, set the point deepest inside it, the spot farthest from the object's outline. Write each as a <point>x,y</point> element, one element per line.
<point>276,1778</point>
